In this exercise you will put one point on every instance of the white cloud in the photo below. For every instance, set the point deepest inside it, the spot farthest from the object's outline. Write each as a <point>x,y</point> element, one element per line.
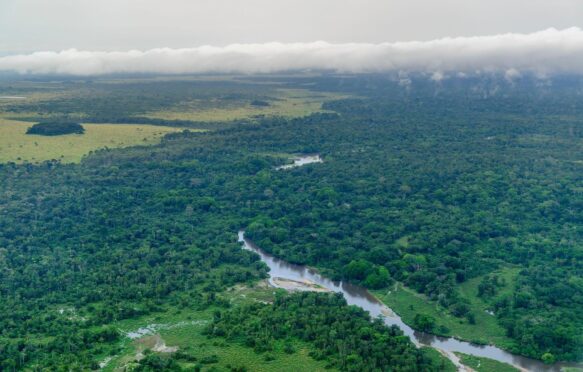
<point>546,52</point>
<point>512,74</point>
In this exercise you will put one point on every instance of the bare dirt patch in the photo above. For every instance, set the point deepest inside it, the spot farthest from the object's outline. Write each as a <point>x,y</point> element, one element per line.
<point>155,343</point>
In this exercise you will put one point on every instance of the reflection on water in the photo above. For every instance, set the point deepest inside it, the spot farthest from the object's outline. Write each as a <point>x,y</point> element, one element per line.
<point>359,296</point>
<point>302,160</point>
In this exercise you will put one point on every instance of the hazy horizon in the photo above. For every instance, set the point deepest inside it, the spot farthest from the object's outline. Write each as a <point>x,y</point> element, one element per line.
<point>84,37</point>
<point>120,25</point>
<point>541,53</point>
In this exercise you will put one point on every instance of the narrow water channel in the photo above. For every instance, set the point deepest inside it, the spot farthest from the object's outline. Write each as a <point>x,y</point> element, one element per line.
<point>302,160</point>
<point>359,296</point>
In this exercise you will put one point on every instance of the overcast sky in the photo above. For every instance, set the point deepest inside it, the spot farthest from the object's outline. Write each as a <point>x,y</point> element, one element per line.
<point>85,37</point>
<point>32,25</point>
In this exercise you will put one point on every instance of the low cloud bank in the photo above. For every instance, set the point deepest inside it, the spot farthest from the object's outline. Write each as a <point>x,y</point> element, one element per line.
<point>544,53</point>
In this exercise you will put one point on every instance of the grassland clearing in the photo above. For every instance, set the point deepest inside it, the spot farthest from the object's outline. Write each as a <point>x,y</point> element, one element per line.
<point>479,364</point>
<point>16,146</point>
<point>182,330</point>
<point>446,364</point>
<point>486,330</point>
<point>283,102</point>
<point>195,99</point>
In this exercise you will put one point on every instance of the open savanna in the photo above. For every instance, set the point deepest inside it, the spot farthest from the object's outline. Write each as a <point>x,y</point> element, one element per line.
<point>19,147</point>
<point>283,102</point>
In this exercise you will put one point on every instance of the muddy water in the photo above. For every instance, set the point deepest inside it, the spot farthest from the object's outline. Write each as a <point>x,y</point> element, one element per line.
<point>359,296</point>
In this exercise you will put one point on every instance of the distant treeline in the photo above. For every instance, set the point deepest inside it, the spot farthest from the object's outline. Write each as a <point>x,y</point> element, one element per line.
<point>211,125</point>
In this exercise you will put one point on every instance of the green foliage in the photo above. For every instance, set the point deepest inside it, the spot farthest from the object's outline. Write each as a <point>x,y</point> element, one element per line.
<point>479,364</point>
<point>548,358</point>
<point>345,336</point>
<point>379,278</point>
<point>445,364</point>
<point>424,322</point>
<point>357,270</point>
<point>55,128</point>
<point>432,188</point>
<point>154,362</point>
<point>489,286</point>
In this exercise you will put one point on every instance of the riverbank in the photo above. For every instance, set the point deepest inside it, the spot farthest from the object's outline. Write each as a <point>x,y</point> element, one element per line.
<point>182,330</point>
<point>486,365</point>
<point>407,303</point>
<point>359,296</point>
<point>298,285</point>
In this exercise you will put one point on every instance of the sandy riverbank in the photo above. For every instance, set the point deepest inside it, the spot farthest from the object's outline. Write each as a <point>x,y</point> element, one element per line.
<point>297,285</point>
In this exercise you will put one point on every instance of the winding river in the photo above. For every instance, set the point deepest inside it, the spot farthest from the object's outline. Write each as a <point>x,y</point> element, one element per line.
<point>359,296</point>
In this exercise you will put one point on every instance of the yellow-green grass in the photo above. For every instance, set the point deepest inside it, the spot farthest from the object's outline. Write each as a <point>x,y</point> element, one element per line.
<point>287,103</point>
<point>36,94</point>
<point>39,116</point>
<point>17,146</point>
<point>407,303</point>
<point>480,364</point>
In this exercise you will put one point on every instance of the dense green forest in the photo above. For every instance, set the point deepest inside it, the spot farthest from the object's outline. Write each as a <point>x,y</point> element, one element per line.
<point>428,185</point>
<point>55,128</point>
<point>345,335</point>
